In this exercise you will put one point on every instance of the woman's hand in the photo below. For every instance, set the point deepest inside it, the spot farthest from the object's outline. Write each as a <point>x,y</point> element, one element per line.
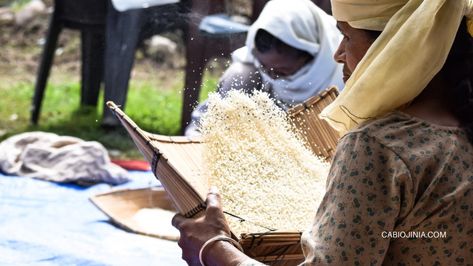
<point>196,231</point>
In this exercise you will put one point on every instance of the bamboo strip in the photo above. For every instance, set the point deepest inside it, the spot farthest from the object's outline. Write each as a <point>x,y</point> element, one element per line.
<point>329,133</point>
<point>321,137</point>
<point>316,135</point>
<point>316,127</point>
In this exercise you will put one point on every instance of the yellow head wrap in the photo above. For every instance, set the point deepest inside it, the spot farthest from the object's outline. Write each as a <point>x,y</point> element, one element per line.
<point>416,38</point>
<point>366,14</point>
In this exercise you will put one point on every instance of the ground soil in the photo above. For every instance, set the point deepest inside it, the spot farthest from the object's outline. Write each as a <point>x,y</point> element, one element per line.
<point>21,48</point>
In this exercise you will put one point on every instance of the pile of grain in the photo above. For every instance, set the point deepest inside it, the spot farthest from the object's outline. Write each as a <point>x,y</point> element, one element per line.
<point>262,168</point>
<point>156,221</point>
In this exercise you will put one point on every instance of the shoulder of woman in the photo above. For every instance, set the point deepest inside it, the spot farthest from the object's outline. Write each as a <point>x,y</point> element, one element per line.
<point>392,131</point>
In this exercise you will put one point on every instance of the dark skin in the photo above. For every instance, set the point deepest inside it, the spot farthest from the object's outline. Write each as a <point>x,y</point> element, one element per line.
<point>275,63</point>
<point>194,233</point>
<point>430,106</point>
<point>280,64</point>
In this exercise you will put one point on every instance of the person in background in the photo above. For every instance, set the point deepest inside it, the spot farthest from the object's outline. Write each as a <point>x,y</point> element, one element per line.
<point>288,54</point>
<point>405,165</point>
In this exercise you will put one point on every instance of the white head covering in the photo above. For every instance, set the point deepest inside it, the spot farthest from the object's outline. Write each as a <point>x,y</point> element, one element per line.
<point>416,38</point>
<point>302,25</point>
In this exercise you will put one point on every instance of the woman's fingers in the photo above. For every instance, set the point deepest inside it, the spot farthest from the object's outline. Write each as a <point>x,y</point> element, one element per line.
<point>213,190</point>
<point>214,209</point>
<point>213,212</point>
<point>194,232</point>
<point>213,199</point>
<point>177,221</point>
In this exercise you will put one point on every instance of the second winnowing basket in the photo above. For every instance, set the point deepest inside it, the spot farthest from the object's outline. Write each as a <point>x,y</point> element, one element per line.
<point>320,136</point>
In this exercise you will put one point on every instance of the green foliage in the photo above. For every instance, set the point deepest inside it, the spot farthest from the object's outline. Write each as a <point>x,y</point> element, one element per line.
<point>15,4</point>
<point>156,110</point>
<point>208,86</point>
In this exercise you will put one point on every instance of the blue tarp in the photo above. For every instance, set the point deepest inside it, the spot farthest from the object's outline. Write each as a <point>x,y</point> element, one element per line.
<point>43,223</point>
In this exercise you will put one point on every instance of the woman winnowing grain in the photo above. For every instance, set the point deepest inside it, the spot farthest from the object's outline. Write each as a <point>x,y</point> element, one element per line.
<point>406,163</point>
<point>288,54</point>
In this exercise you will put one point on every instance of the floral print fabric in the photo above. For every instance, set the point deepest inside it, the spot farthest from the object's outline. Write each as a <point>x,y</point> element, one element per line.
<point>399,192</point>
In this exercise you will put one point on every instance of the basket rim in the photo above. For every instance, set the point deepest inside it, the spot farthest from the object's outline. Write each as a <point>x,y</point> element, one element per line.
<point>296,109</point>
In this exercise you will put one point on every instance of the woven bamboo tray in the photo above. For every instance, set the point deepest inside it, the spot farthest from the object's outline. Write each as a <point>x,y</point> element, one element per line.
<point>121,206</point>
<point>177,162</point>
<point>124,206</point>
<point>320,136</point>
<point>273,248</point>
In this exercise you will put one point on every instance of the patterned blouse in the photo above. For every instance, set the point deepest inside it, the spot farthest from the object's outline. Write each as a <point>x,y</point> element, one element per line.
<point>399,193</point>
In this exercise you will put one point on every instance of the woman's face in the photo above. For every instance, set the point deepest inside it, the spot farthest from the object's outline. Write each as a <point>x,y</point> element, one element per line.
<point>353,47</point>
<point>279,64</point>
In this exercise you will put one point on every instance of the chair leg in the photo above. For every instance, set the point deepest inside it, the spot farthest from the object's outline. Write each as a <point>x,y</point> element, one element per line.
<point>122,35</point>
<point>195,64</point>
<point>44,69</point>
<point>92,65</point>
<point>257,7</point>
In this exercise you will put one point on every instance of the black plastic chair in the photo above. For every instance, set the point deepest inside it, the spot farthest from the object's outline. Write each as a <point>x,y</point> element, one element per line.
<point>109,39</point>
<point>124,30</point>
<point>200,48</point>
<point>88,16</point>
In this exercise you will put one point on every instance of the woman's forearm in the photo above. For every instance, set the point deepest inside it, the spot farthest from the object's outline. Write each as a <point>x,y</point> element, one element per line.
<point>224,253</point>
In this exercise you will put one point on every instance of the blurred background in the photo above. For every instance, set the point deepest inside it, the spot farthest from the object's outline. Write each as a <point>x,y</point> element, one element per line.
<point>155,92</point>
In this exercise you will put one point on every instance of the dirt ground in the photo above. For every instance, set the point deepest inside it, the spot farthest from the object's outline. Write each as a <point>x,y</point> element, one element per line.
<point>21,48</point>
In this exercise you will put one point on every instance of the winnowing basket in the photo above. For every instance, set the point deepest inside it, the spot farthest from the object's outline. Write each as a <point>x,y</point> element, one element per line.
<point>177,162</point>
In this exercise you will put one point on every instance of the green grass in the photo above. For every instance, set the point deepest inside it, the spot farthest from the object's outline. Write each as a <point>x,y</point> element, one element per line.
<point>153,108</point>
<point>15,4</point>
